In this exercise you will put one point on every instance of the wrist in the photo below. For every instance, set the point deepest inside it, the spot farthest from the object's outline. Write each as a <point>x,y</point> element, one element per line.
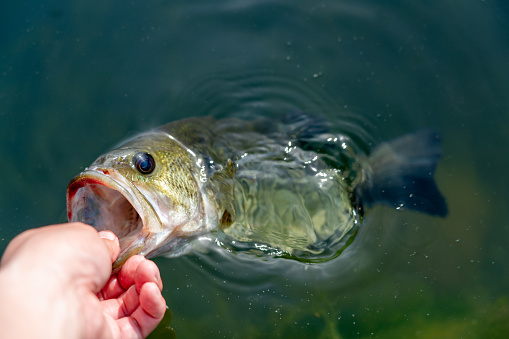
<point>32,306</point>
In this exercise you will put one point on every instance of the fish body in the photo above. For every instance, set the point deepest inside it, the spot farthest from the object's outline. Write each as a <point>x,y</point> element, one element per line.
<point>287,183</point>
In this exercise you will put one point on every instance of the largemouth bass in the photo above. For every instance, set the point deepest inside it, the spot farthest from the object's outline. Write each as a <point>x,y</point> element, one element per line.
<point>286,183</point>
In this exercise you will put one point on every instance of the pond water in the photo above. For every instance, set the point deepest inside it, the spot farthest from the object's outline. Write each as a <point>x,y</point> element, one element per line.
<point>78,77</point>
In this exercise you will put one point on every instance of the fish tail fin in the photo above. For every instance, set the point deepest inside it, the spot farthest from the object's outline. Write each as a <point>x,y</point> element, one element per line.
<point>401,174</point>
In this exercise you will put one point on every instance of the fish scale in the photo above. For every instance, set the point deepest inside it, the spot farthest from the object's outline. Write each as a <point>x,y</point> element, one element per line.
<point>287,185</point>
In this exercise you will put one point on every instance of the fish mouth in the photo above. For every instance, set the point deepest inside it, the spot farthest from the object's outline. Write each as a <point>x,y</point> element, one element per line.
<point>106,200</point>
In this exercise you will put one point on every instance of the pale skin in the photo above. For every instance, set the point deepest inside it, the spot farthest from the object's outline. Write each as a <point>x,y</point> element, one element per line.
<point>56,282</point>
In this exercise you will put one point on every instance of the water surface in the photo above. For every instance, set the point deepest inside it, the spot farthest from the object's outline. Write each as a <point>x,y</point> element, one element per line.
<point>78,77</point>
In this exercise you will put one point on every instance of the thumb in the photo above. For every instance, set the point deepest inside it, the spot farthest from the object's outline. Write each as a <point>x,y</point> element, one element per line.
<point>111,242</point>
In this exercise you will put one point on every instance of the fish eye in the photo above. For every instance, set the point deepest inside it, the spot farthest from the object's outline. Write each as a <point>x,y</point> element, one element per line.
<point>144,162</point>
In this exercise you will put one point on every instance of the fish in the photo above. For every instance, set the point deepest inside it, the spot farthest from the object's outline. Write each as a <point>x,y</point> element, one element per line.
<point>287,183</point>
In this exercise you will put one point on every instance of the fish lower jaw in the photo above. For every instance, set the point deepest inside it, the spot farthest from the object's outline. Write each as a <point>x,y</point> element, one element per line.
<point>107,203</point>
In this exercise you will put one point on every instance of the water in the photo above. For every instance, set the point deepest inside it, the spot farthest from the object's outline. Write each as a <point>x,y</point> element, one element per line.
<point>78,77</point>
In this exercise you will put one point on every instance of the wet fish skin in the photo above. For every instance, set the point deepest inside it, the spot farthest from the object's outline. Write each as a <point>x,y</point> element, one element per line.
<point>167,200</point>
<point>231,174</point>
<point>172,202</point>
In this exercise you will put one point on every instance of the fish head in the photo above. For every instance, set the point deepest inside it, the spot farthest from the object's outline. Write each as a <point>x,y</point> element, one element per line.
<point>144,191</point>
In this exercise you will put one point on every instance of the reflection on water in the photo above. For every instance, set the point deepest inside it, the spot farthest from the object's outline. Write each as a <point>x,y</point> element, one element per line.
<point>78,78</point>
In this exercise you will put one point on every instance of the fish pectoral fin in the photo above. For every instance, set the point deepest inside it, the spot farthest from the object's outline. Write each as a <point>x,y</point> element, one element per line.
<point>226,219</point>
<point>223,185</point>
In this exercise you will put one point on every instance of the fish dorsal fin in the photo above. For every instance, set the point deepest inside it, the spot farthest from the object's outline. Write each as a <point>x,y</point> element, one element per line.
<point>222,182</point>
<point>302,126</point>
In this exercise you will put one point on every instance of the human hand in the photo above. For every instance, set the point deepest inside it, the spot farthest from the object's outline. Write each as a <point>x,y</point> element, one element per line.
<point>56,281</point>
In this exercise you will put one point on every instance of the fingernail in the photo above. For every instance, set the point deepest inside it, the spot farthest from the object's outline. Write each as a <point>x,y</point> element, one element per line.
<point>107,235</point>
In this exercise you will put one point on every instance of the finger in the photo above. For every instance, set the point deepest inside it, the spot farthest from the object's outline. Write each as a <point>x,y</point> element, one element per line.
<point>149,298</point>
<point>148,272</point>
<point>152,301</point>
<point>127,274</point>
<point>137,314</point>
<point>119,283</point>
<point>151,310</point>
<point>111,242</point>
<point>122,307</point>
<point>112,289</point>
<point>129,328</point>
<point>136,271</point>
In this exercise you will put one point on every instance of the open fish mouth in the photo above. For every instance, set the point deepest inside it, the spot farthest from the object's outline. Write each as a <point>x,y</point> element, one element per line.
<point>105,200</point>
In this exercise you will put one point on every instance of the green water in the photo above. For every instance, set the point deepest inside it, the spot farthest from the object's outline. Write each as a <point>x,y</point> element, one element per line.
<point>77,77</point>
